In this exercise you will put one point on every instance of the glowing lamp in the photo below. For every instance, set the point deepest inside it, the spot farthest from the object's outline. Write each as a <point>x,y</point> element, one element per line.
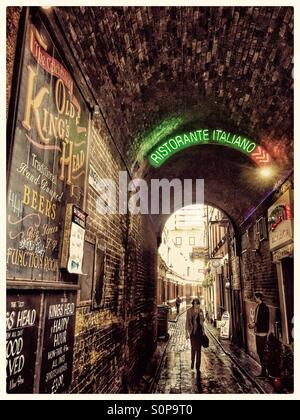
<point>266,172</point>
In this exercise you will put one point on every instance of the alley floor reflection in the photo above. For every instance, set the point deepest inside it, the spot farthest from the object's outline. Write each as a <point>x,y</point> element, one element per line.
<point>219,375</point>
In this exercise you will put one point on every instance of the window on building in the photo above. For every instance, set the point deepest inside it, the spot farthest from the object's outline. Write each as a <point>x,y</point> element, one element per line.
<point>93,277</point>
<point>178,240</point>
<point>99,277</point>
<point>188,271</point>
<point>261,229</point>
<point>192,240</point>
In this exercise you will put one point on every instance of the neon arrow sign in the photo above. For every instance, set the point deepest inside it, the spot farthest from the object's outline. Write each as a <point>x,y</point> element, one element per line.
<point>162,152</point>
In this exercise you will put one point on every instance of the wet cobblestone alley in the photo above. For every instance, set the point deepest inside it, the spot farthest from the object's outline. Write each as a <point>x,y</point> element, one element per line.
<point>219,375</point>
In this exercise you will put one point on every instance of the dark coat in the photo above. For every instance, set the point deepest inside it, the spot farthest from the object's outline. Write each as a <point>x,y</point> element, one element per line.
<point>262,319</point>
<point>189,321</point>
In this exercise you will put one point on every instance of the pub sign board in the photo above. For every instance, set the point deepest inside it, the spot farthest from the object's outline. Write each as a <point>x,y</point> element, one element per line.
<point>280,220</point>
<point>22,325</point>
<point>48,161</point>
<point>58,342</point>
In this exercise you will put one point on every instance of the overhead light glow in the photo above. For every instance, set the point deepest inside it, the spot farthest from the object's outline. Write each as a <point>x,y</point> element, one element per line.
<point>266,172</point>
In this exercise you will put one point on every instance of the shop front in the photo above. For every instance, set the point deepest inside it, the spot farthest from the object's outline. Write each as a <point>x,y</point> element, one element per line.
<point>280,221</point>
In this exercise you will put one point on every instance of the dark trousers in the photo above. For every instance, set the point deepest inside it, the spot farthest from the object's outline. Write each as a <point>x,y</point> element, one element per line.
<point>178,307</point>
<point>260,348</point>
<point>196,350</point>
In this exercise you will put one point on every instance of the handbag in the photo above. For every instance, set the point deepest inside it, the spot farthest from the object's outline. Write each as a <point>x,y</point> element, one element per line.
<point>205,341</point>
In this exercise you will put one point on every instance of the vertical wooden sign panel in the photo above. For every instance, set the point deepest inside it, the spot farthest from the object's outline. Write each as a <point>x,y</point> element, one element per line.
<point>48,163</point>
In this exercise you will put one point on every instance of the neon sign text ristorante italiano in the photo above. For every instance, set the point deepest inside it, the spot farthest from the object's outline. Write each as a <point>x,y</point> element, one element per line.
<point>164,151</point>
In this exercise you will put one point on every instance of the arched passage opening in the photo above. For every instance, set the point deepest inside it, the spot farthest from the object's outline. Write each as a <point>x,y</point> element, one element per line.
<point>234,186</point>
<point>232,181</point>
<point>196,255</point>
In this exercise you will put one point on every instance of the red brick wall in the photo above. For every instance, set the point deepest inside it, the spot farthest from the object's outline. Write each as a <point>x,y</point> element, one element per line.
<point>12,21</point>
<point>114,343</point>
<point>258,273</point>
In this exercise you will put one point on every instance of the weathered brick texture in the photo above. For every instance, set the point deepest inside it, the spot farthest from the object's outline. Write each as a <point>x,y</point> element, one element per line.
<point>258,271</point>
<point>12,21</point>
<point>113,343</point>
<point>150,63</point>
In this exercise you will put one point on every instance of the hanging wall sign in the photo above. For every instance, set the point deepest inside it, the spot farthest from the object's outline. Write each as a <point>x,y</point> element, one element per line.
<point>73,239</point>
<point>161,153</point>
<point>76,249</point>
<point>48,162</point>
<point>280,221</point>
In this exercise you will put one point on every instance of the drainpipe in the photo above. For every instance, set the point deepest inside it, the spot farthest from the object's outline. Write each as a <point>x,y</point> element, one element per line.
<point>244,321</point>
<point>230,283</point>
<point>208,228</point>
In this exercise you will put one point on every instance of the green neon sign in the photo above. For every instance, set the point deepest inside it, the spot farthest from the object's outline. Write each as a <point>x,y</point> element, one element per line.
<point>162,152</point>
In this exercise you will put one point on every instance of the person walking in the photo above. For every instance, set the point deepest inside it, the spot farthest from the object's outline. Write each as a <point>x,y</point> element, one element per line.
<point>194,332</point>
<point>261,330</point>
<point>178,302</point>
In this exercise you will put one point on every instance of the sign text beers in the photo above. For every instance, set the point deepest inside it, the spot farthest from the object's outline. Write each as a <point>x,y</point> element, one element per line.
<point>48,163</point>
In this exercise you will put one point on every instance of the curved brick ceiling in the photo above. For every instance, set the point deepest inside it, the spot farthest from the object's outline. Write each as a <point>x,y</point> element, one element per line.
<point>155,70</point>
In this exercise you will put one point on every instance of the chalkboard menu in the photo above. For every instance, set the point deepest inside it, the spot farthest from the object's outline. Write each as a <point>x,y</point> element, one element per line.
<point>58,342</point>
<point>22,322</point>
<point>48,162</point>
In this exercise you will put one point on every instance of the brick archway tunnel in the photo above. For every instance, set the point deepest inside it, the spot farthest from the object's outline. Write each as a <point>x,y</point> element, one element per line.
<point>146,74</point>
<point>173,69</point>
